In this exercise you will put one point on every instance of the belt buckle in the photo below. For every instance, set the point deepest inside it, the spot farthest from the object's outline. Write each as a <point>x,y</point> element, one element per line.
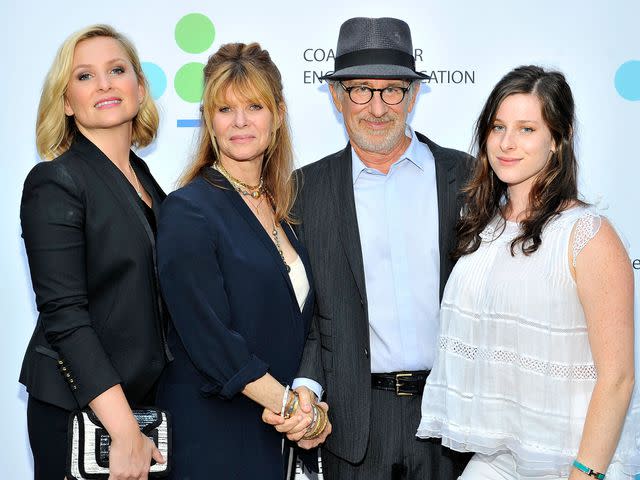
<point>399,385</point>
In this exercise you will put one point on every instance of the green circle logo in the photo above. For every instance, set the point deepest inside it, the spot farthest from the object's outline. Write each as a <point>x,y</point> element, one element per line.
<point>195,33</point>
<point>188,82</point>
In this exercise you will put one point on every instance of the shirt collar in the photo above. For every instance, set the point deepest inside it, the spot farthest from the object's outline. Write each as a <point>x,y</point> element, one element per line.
<point>411,154</point>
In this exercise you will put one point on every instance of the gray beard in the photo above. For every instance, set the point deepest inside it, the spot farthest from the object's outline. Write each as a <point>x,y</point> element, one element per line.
<point>382,143</point>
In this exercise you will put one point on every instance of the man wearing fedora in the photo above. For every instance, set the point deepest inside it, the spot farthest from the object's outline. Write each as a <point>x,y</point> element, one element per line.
<point>378,221</point>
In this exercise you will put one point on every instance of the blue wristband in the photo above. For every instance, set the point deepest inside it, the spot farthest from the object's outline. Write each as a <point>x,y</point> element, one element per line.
<point>587,470</point>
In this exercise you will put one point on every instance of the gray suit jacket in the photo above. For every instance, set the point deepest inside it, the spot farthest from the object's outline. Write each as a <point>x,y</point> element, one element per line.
<point>336,354</point>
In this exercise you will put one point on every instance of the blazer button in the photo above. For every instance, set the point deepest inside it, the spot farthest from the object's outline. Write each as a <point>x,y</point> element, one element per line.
<point>68,375</point>
<point>366,352</point>
<point>64,369</point>
<point>74,387</point>
<point>71,380</point>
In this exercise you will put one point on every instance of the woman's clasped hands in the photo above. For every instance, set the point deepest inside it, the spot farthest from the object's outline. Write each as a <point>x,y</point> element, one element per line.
<point>303,419</point>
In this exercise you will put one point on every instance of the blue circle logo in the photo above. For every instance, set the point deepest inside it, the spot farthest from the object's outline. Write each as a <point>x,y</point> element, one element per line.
<point>156,78</point>
<point>627,80</point>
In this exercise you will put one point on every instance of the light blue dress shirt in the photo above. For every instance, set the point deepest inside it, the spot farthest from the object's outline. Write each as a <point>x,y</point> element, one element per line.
<point>398,224</point>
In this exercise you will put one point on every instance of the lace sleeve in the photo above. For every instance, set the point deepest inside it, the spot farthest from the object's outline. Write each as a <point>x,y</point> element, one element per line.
<point>585,229</point>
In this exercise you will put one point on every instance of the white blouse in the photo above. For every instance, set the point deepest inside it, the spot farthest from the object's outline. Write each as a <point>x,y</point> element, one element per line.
<point>299,281</point>
<point>514,369</point>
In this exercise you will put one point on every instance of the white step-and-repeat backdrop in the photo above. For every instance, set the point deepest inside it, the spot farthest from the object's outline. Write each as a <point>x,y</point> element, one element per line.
<point>466,46</point>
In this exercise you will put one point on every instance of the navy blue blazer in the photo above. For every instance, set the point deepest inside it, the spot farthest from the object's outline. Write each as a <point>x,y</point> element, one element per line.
<point>234,318</point>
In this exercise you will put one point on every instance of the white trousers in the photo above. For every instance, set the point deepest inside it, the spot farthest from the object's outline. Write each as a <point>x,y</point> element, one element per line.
<point>501,466</point>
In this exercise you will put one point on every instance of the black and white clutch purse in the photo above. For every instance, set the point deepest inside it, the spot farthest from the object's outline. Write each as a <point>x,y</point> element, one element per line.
<point>89,442</point>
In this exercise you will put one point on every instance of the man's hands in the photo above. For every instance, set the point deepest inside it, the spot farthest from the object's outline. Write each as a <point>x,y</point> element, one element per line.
<point>296,426</point>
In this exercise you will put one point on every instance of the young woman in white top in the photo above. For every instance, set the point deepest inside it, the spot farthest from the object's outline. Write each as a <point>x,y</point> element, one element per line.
<point>535,369</point>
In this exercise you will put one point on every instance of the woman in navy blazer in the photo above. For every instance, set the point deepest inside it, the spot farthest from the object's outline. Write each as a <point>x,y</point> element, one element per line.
<point>235,278</point>
<point>88,218</point>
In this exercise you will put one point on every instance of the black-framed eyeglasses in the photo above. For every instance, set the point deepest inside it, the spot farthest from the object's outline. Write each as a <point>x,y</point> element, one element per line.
<point>361,94</point>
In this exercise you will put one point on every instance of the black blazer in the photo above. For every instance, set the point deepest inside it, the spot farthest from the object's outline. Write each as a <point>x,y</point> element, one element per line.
<point>337,350</point>
<point>91,255</point>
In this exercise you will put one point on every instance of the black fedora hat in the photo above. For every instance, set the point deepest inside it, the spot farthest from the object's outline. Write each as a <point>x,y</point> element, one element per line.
<point>374,48</point>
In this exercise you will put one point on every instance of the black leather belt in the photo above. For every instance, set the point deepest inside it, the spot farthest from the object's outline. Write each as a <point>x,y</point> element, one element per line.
<point>402,383</point>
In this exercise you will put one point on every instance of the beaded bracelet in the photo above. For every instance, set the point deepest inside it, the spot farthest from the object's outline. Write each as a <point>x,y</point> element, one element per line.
<point>589,471</point>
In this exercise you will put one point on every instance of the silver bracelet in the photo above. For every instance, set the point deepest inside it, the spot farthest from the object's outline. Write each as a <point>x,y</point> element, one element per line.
<point>285,398</point>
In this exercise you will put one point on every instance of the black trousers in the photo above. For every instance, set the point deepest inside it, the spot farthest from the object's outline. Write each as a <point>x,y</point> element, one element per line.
<point>47,426</point>
<point>393,450</point>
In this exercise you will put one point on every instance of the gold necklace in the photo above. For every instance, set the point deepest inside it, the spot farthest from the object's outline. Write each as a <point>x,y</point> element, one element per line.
<point>137,186</point>
<point>257,192</point>
<point>255,206</point>
<point>241,187</point>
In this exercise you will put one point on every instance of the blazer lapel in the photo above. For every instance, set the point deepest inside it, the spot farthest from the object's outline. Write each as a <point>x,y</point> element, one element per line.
<point>342,184</point>
<point>116,182</point>
<point>304,256</point>
<point>126,197</point>
<point>447,193</point>
<point>243,209</point>
<point>149,183</point>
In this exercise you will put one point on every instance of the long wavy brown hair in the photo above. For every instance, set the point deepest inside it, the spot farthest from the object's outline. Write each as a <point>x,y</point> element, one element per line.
<point>249,72</point>
<point>555,187</point>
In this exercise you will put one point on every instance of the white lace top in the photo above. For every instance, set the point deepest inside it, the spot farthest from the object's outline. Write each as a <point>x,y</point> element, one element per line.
<point>514,369</point>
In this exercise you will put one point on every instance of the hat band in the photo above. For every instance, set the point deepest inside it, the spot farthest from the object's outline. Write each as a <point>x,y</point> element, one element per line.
<point>375,56</point>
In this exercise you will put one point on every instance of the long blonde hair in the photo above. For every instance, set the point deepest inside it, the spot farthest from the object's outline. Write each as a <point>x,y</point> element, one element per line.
<point>249,71</point>
<point>54,129</point>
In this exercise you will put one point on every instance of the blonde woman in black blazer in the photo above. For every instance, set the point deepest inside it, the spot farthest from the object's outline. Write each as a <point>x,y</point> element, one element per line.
<point>88,220</point>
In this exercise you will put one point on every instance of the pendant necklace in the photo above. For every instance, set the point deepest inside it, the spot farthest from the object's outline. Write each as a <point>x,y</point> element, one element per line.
<point>256,192</point>
<point>256,206</point>
<point>276,238</point>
